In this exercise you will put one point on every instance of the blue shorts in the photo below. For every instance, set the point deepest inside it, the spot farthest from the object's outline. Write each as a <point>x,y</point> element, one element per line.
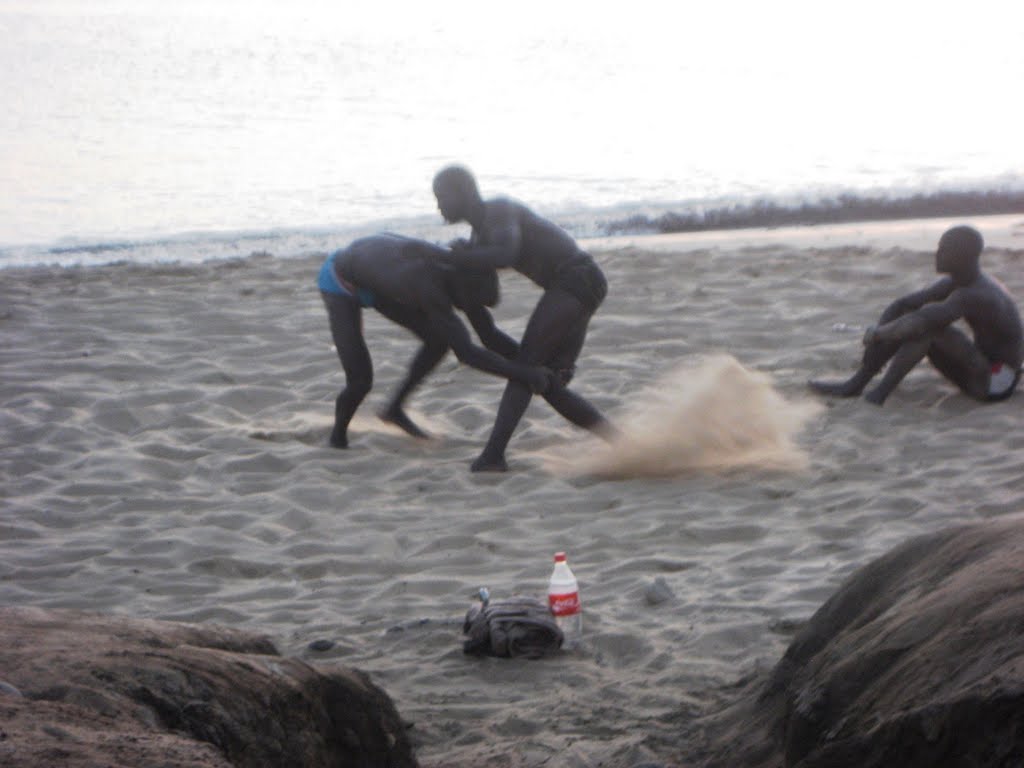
<point>327,281</point>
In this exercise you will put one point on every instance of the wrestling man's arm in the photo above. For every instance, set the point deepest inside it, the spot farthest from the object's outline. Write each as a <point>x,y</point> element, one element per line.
<point>492,337</point>
<point>504,239</point>
<point>535,377</point>
<point>504,254</point>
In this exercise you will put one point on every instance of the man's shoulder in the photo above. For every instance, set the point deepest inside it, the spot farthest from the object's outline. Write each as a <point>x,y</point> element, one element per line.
<point>980,285</point>
<point>504,213</point>
<point>980,293</point>
<point>503,203</point>
<point>939,290</point>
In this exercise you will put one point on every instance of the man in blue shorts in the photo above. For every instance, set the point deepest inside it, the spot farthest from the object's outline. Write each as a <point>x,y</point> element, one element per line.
<point>406,281</point>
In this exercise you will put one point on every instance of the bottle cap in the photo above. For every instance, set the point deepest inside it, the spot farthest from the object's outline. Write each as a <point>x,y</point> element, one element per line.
<point>559,557</point>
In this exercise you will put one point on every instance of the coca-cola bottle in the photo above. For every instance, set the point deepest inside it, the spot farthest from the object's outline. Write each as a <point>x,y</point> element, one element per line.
<point>564,599</point>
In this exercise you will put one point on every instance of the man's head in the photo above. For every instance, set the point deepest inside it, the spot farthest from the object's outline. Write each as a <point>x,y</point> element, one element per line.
<point>465,287</point>
<point>473,288</point>
<point>959,252</point>
<point>456,193</point>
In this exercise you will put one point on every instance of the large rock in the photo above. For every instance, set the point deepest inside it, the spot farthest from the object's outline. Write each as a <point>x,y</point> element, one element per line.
<point>81,689</point>
<point>917,660</point>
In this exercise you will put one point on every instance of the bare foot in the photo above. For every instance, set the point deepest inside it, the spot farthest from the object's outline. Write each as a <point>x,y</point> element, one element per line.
<point>399,418</point>
<point>834,388</point>
<point>487,464</point>
<point>875,397</point>
<point>607,432</point>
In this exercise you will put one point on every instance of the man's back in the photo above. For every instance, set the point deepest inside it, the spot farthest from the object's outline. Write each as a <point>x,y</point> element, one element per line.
<point>544,247</point>
<point>396,268</point>
<point>994,318</point>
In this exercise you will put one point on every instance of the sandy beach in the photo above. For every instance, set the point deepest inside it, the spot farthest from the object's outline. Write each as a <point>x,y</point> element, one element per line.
<point>164,455</point>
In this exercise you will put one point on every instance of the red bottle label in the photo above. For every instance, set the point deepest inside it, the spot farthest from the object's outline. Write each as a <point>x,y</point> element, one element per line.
<point>565,605</point>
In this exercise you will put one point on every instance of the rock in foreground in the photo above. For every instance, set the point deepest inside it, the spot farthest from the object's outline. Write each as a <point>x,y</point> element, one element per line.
<point>81,689</point>
<point>917,661</point>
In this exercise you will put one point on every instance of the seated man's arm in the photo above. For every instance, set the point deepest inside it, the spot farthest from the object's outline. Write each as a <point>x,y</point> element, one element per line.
<point>492,337</point>
<point>928,319</point>
<point>454,331</point>
<point>937,291</point>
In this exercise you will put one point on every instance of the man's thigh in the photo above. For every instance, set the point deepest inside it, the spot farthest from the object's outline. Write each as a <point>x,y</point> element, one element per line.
<point>957,358</point>
<point>410,318</point>
<point>556,329</point>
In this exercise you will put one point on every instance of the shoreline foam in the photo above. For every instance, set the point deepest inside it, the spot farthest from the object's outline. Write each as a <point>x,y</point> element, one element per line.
<point>743,221</point>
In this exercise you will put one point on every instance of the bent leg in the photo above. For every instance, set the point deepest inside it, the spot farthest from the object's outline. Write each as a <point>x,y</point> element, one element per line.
<point>554,337</point>
<point>577,410</point>
<point>567,403</point>
<point>425,360</point>
<point>873,360</point>
<point>909,354</point>
<point>954,355</point>
<point>346,321</point>
<point>875,357</point>
<point>514,402</point>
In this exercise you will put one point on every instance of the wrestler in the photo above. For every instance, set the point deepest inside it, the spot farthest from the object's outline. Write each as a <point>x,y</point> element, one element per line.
<point>920,325</point>
<point>506,233</point>
<point>406,281</point>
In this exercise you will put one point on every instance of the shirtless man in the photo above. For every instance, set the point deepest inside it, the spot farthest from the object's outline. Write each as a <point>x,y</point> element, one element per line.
<point>921,324</point>
<point>406,281</point>
<point>508,234</point>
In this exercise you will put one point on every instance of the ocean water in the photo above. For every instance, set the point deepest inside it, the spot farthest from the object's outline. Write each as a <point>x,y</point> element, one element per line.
<point>146,131</point>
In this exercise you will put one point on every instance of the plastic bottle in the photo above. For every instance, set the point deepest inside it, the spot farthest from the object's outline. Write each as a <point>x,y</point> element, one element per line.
<point>564,600</point>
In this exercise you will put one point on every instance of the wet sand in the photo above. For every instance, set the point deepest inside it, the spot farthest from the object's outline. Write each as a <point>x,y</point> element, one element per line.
<point>164,455</point>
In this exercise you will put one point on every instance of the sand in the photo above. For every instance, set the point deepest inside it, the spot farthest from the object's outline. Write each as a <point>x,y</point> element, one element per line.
<point>164,455</point>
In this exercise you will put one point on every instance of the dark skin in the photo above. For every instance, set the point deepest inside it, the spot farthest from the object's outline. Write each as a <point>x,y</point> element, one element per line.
<point>920,325</point>
<point>414,289</point>
<point>507,234</point>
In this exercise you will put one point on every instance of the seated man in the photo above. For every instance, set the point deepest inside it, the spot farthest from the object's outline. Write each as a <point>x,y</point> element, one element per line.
<point>921,324</point>
<point>506,233</point>
<point>406,281</point>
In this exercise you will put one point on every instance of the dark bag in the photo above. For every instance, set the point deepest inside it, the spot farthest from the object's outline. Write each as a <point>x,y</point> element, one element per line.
<point>518,626</point>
